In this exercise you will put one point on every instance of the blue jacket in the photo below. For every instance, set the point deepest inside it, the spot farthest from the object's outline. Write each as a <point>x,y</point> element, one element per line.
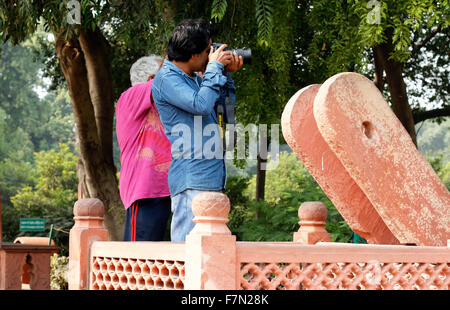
<point>186,108</point>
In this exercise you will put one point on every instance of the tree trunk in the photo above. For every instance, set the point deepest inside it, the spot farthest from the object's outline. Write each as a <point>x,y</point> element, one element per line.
<point>96,54</point>
<point>261,164</point>
<point>396,84</point>
<point>379,70</point>
<point>260,178</point>
<point>89,95</point>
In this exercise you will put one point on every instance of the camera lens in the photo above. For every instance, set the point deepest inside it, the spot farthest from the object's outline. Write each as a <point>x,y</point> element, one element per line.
<point>245,53</point>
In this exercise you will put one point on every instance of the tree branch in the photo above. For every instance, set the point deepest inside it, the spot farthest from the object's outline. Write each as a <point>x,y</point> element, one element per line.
<point>379,79</point>
<point>431,35</point>
<point>420,115</point>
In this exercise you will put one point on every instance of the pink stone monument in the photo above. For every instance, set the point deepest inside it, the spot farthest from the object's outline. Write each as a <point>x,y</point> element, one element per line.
<point>301,133</point>
<point>373,146</point>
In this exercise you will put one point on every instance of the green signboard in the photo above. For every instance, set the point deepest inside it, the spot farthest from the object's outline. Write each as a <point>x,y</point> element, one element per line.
<point>32,224</point>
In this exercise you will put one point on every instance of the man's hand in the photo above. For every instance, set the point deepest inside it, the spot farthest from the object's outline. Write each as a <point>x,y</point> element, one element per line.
<point>219,55</point>
<point>236,63</point>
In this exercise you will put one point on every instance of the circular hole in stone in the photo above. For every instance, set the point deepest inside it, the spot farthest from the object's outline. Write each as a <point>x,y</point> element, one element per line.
<point>367,128</point>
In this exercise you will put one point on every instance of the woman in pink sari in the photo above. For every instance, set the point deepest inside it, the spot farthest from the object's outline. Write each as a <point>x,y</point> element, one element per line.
<point>144,156</point>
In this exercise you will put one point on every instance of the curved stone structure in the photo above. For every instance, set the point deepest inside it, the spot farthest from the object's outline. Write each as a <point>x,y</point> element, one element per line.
<point>301,133</point>
<point>373,146</point>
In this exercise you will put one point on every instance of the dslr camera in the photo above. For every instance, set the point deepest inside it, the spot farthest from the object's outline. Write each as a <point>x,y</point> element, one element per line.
<point>245,53</point>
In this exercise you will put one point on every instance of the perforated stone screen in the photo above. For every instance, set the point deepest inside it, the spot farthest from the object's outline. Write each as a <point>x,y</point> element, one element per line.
<point>368,275</point>
<point>109,273</point>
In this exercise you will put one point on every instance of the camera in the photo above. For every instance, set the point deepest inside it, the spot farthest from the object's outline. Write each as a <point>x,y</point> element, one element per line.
<point>245,53</point>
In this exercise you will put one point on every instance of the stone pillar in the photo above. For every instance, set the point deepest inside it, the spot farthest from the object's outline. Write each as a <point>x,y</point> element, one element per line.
<point>88,217</point>
<point>312,215</point>
<point>210,247</point>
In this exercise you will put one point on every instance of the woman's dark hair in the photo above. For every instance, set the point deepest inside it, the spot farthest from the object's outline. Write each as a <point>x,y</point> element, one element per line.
<point>190,37</point>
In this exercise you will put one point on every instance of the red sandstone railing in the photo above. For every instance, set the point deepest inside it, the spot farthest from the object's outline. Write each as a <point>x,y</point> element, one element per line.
<point>212,259</point>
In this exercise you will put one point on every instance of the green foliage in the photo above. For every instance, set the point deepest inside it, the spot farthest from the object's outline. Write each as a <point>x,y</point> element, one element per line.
<point>434,143</point>
<point>14,143</point>
<point>434,138</point>
<point>441,167</point>
<point>276,218</point>
<point>407,18</point>
<point>24,116</point>
<point>263,87</point>
<point>264,21</point>
<point>288,176</point>
<point>335,45</point>
<point>28,123</point>
<point>269,222</point>
<point>444,174</point>
<point>53,195</point>
<point>234,189</point>
<point>58,273</point>
<point>344,33</point>
<point>218,9</point>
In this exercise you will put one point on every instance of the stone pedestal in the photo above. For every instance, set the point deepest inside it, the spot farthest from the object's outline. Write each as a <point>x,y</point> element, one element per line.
<point>313,216</point>
<point>88,217</point>
<point>210,247</point>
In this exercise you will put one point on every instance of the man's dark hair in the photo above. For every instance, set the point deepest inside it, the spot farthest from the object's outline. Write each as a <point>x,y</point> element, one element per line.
<point>190,37</point>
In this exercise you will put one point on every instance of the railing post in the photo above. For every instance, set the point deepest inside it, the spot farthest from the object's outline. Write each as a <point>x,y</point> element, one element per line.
<point>211,262</point>
<point>88,217</point>
<point>313,216</point>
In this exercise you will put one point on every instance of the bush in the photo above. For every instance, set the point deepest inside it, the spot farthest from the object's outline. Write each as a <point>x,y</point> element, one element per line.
<point>276,218</point>
<point>234,189</point>
<point>58,273</point>
<point>444,174</point>
<point>53,195</point>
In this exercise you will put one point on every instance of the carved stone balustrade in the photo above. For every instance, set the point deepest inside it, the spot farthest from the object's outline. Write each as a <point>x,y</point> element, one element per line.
<point>211,258</point>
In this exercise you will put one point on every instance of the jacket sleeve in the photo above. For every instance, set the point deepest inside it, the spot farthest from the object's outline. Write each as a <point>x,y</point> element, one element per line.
<point>177,92</point>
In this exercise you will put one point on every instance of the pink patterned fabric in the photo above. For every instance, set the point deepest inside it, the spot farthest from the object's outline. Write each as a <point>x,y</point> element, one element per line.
<point>144,148</point>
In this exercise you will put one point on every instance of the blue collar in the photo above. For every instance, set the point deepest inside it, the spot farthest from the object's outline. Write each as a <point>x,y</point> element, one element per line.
<point>177,69</point>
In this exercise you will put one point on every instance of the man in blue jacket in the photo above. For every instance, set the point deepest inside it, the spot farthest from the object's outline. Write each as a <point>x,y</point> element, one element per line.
<point>186,104</point>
